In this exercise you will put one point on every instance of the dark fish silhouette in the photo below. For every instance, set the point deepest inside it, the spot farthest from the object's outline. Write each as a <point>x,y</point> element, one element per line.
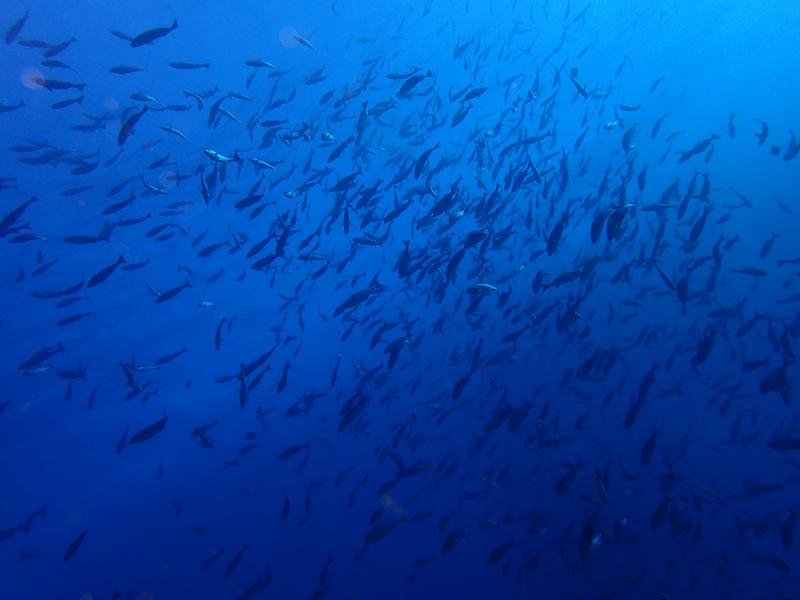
<point>151,35</point>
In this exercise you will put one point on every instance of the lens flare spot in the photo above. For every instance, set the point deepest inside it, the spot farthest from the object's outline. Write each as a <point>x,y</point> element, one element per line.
<point>168,179</point>
<point>31,77</point>
<point>111,103</point>
<point>287,37</point>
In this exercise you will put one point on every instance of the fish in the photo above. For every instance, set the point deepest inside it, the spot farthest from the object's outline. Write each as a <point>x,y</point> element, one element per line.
<point>419,166</point>
<point>168,358</point>
<point>380,531</point>
<point>230,569</point>
<point>6,108</point>
<point>62,104</point>
<point>69,320</point>
<point>786,444</point>
<point>303,42</point>
<point>578,86</point>
<point>104,273</point>
<point>287,505</point>
<point>14,30</point>
<point>213,555</point>
<point>56,49</point>
<point>792,149</point>
<point>256,588</point>
<point>292,451</point>
<point>125,70</point>
<point>411,82</point>
<point>762,135</point>
<point>149,431</point>
<point>74,546</point>
<point>40,356</point>
<point>126,129</point>
<point>171,293</point>
<point>698,148</point>
<point>259,63</point>
<point>57,84</point>
<point>189,66</point>
<point>151,35</point>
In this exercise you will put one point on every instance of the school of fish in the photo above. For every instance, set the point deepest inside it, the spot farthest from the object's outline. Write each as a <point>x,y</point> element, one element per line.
<point>488,317</point>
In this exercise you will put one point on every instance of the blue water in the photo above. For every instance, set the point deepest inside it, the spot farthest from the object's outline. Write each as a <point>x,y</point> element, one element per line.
<point>505,412</point>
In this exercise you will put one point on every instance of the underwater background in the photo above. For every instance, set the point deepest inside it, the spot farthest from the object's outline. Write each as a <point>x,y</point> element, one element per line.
<point>433,299</point>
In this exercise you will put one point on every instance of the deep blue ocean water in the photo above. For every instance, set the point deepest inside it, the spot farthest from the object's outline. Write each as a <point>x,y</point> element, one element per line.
<point>429,300</point>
